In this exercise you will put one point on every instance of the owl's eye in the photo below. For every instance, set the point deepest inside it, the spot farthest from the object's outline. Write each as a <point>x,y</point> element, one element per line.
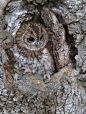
<point>41,38</point>
<point>31,39</point>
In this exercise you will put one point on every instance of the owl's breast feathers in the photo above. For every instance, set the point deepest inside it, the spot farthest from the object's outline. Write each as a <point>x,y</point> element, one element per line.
<point>39,62</point>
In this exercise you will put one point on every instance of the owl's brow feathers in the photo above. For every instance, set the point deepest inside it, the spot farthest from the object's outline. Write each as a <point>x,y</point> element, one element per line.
<point>35,28</point>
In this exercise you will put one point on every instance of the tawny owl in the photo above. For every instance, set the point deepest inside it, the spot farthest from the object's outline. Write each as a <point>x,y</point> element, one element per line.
<point>33,50</point>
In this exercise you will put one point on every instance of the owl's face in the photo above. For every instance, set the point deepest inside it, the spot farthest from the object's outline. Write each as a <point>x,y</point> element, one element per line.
<point>35,36</point>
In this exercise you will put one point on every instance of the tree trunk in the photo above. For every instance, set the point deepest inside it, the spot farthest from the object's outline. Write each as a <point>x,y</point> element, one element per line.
<point>66,92</point>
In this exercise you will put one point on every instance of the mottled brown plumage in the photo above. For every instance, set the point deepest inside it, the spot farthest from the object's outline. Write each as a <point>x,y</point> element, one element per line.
<point>33,50</point>
<point>37,48</point>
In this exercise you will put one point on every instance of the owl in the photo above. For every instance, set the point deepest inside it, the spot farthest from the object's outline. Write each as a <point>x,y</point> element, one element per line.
<point>33,50</point>
<point>40,51</point>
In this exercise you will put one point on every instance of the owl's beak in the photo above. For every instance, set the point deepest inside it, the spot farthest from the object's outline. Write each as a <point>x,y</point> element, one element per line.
<point>38,44</point>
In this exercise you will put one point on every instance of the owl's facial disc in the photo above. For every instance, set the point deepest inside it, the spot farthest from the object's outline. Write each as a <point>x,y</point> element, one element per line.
<point>34,43</point>
<point>33,36</point>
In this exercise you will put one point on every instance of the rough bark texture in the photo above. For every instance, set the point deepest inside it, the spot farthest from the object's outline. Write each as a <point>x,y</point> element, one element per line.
<point>66,93</point>
<point>3,4</point>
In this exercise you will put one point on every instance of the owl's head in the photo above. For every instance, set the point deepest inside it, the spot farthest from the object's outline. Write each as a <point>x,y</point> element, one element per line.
<point>32,36</point>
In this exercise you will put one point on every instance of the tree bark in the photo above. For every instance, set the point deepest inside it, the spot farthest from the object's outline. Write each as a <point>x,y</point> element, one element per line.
<point>66,92</point>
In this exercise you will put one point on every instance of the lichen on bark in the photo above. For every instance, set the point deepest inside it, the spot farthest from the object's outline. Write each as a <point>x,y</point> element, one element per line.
<point>66,93</point>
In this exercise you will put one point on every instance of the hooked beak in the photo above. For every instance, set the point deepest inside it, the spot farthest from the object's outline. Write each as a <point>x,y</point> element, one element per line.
<point>38,44</point>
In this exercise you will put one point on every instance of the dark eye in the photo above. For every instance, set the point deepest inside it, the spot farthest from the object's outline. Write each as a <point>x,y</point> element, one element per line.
<point>31,39</point>
<point>41,38</point>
